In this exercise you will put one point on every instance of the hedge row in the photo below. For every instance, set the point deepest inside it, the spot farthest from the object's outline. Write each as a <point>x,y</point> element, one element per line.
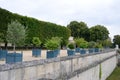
<point>35,28</point>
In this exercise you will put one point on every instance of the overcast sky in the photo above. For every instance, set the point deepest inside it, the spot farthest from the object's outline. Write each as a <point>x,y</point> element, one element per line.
<point>92,12</point>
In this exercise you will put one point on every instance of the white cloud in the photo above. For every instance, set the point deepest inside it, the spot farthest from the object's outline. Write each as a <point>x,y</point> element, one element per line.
<point>104,12</point>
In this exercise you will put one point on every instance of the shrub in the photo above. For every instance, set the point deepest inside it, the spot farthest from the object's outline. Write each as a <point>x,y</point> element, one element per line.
<point>78,42</point>
<point>71,46</point>
<point>52,44</point>
<point>91,44</point>
<point>58,39</point>
<point>36,41</point>
<point>83,43</point>
<point>97,45</point>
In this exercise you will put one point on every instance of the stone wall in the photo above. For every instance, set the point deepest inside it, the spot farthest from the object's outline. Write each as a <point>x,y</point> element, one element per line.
<point>80,67</point>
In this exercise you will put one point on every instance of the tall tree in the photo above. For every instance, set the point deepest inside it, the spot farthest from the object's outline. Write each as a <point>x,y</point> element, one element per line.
<point>116,40</point>
<point>15,33</point>
<point>79,30</point>
<point>74,27</point>
<point>98,33</point>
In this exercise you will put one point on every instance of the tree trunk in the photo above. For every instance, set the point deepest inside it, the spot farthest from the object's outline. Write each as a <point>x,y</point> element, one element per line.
<point>14,47</point>
<point>6,45</point>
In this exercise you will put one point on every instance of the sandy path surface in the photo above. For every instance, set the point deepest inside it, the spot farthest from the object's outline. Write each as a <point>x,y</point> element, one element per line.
<point>27,55</point>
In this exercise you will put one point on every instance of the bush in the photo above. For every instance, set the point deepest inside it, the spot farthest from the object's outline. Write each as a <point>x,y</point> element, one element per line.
<point>91,44</point>
<point>36,41</point>
<point>78,42</point>
<point>58,39</point>
<point>97,45</point>
<point>52,44</point>
<point>71,46</point>
<point>83,43</point>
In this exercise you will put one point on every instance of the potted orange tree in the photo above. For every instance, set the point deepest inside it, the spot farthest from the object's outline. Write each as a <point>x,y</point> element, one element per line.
<point>52,46</point>
<point>36,51</point>
<point>91,46</point>
<point>77,42</point>
<point>16,36</point>
<point>71,49</point>
<point>97,47</point>
<point>83,45</point>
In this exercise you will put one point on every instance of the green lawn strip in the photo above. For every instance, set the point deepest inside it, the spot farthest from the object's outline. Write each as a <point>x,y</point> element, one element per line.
<point>115,74</point>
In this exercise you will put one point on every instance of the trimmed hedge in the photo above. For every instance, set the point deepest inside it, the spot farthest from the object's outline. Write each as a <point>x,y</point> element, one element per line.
<point>35,28</point>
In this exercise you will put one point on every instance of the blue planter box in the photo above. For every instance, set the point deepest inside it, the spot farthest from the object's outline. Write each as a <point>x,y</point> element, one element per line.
<point>56,52</point>
<point>91,50</point>
<point>70,52</point>
<point>36,52</point>
<point>82,51</point>
<point>3,54</point>
<point>50,54</point>
<point>53,53</point>
<point>96,49</point>
<point>13,58</point>
<point>77,50</point>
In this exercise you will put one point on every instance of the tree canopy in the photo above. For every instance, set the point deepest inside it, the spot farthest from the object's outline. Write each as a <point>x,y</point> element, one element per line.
<point>116,40</point>
<point>98,33</point>
<point>15,33</point>
<point>79,30</point>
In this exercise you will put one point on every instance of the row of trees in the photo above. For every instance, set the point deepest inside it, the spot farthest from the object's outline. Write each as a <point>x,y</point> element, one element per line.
<point>46,30</point>
<point>97,33</point>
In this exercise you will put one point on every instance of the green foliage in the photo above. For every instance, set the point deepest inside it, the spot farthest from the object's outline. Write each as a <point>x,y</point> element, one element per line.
<point>107,43</point>
<point>71,45</point>
<point>41,29</point>
<point>52,44</point>
<point>116,40</point>
<point>58,39</point>
<point>79,29</point>
<point>15,33</point>
<point>82,43</point>
<point>78,42</point>
<point>115,74</point>
<point>98,32</point>
<point>36,41</point>
<point>100,72</point>
<point>1,37</point>
<point>98,45</point>
<point>91,44</point>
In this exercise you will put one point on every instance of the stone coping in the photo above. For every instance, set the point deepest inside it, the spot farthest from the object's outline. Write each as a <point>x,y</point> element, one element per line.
<point>5,67</point>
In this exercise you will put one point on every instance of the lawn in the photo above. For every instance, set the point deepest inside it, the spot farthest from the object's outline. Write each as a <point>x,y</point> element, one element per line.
<point>115,74</point>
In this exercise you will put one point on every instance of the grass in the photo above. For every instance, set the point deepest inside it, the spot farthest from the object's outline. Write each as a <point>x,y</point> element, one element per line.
<point>115,74</point>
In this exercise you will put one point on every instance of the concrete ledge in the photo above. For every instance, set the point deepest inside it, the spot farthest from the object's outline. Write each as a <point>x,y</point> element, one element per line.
<point>5,67</point>
<point>62,68</point>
